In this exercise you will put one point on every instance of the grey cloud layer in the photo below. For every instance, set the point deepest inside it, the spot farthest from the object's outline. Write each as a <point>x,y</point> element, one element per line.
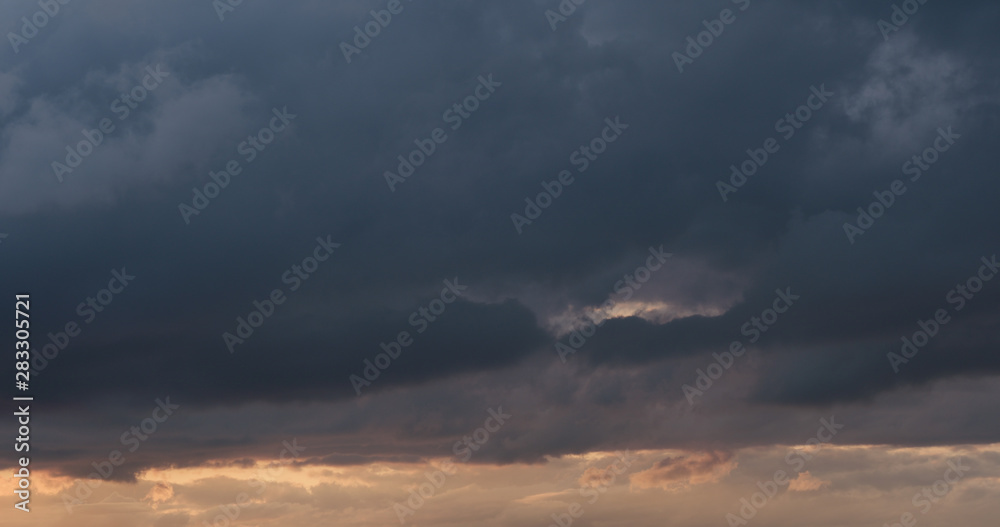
<point>656,185</point>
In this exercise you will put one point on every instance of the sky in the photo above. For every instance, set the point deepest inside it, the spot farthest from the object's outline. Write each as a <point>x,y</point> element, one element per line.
<point>519,263</point>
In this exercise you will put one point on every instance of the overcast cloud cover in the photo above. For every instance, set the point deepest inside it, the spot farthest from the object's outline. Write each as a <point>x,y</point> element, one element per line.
<point>514,291</point>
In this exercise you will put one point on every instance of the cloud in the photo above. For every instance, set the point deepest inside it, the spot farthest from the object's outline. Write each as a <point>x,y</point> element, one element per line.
<point>159,493</point>
<point>656,186</point>
<point>806,482</point>
<point>686,470</point>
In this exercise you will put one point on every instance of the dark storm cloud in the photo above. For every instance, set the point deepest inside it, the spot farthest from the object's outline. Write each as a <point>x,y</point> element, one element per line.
<point>654,186</point>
